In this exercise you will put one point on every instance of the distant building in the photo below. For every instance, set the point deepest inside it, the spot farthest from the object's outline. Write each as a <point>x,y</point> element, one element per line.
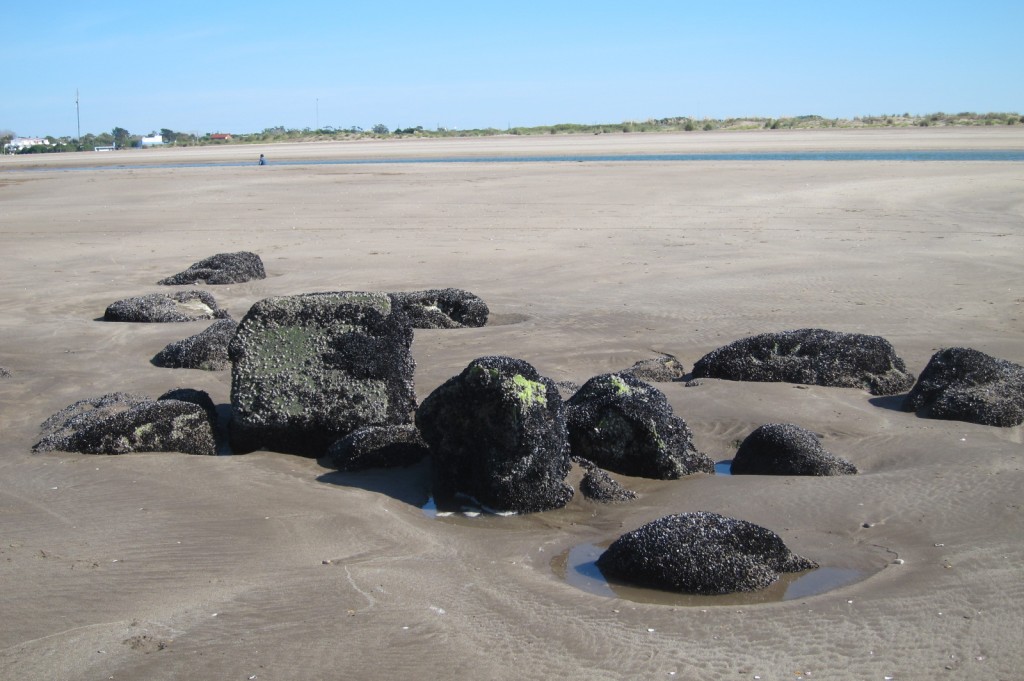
<point>18,144</point>
<point>226,136</point>
<point>151,141</point>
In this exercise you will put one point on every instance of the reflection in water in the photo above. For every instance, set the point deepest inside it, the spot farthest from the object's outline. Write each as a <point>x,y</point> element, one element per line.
<point>578,567</point>
<point>723,467</point>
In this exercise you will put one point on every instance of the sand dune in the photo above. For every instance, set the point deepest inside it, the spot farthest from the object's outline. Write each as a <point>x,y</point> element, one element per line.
<point>165,566</point>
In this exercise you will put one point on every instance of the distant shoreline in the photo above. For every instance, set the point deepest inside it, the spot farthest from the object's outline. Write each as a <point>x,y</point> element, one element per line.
<point>724,146</point>
<point>120,138</point>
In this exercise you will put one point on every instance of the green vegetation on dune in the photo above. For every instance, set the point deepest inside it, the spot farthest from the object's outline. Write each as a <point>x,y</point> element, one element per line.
<point>122,138</point>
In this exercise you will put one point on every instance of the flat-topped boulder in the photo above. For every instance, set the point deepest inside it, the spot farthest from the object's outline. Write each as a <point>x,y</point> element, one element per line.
<point>810,357</point>
<point>962,384</point>
<point>309,369</point>
<point>123,423</point>
<point>448,308</point>
<point>207,350</point>
<point>183,306</point>
<point>627,426</point>
<point>497,436</point>
<point>376,447</point>
<point>700,553</point>
<point>223,268</point>
<point>786,449</point>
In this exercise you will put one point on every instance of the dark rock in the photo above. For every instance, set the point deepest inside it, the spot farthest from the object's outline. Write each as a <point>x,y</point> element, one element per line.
<point>664,369</point>
<point>597,485</point>
<point>627,426</point>
<point>377,447</point>
<point>308,370</point>
<point>812,357</point>
<point>962,384</point>
<point>4,373</point>
<point>223,268</point>
<point>207,350</point>
<point>785,449</point>
<point>566,389</point>
<point>497,435</point>
<point>183,306</point>
<point>700,553</point>
<point>121,423</point>
<point>449,308</point>
<point>200,398</point>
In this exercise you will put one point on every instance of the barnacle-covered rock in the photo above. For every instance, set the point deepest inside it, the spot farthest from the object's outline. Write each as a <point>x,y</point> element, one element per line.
<point>307,370</point>
<point>700,553</point>
<point>664,369</point>
<point>376,447</point>
<point>962,384</point>
<point>122,423</point>
<point>597,485</point>
<point>223,268</point>
<point>812,357</point>
<point>497,435</point>
<point>627,426</point>
<point>207,350</point>
<point>786,449</point>
<point>449,308</point>
<point>183,306</point>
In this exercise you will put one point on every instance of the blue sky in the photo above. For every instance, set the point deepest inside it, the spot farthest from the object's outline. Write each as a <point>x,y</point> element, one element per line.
<point>242,67</point>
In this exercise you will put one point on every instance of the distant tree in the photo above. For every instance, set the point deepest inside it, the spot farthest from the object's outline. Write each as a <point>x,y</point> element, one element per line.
<point>121,136</point>
<point>168,135</point>
<point>380,129</point>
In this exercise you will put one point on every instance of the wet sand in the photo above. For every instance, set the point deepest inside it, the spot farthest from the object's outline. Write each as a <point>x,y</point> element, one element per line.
<point>166,566</point>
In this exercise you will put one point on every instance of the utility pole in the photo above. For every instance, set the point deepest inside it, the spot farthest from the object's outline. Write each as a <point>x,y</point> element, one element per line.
<point>317,113</point>
<point>78,116</point>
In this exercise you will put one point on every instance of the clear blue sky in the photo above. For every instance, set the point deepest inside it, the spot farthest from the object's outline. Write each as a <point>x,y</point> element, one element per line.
<point>241,67</point>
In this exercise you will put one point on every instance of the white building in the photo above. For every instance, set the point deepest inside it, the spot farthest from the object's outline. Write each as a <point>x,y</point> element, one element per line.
<point>152,141</point>
<point>17,144</point>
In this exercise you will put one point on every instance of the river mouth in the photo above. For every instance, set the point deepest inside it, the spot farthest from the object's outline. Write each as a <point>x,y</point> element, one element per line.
<point>577,566</point>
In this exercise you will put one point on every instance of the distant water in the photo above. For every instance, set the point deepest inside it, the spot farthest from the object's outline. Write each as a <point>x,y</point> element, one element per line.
<point>1011,155</point>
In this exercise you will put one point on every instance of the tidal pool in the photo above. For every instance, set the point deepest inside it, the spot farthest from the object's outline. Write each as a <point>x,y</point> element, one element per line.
<point>578,567</point>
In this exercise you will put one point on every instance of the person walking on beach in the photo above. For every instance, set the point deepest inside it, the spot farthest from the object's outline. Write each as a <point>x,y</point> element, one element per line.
<point>263,161</point>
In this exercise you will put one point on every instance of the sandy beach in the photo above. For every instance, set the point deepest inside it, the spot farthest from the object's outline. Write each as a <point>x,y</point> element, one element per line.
<point>268,566</point>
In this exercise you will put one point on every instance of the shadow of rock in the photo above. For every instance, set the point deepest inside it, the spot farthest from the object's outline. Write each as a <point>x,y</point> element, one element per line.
<point>409,485</point>
<point>891,402</point>
<point>220,432</point>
